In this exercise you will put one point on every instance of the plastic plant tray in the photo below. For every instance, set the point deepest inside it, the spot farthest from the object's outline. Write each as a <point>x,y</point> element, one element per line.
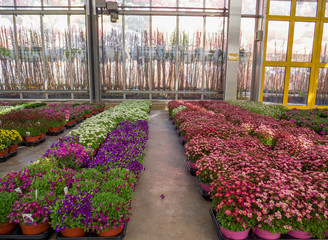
<point>16,234</point>
<point>56,133</point>
<point>93,236</point>
<point>5,158</point>
<point>190,169</point>
<point>206,195</point>
<point>33,144</point>
<point>251,235</point>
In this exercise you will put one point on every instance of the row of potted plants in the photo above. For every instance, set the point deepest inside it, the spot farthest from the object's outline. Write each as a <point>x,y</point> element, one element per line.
<point>263,173</point>
<point>9,140</point>
<point>6,107</point>
<point>71,190</point>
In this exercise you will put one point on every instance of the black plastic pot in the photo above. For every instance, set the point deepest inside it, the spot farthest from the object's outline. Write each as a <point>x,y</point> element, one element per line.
<point>206,195</point>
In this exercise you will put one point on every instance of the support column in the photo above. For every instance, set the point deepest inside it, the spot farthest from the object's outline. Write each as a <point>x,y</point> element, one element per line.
<point>231,81</point>
<point>93,51</point>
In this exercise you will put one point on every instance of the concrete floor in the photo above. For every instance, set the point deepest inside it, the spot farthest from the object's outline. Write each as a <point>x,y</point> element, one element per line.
<point>181,215</point>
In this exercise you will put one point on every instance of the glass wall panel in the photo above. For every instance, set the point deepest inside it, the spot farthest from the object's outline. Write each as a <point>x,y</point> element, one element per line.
<point>56,4</point>
<point>111,54</point>
<point>274,80</point>
<point>247,35</point>
<point>324,44</point>
<point>306,8</point>
<point>137,43</point>
<point>248,6</point>
<point>216,3</point>
<point>214,45</point>
<point>56,41</point>
<point>78,2</point>
<point>30,52</point>
<point>163,4</point>
<point>79,53</point>
<point>6,3</point>
<point>280,7</point>
<point>299,85</point>
<point>277,41</point>
<point>303,41</point>
<point>322,88</point>
<point>191,53</point>
<point>191,4</point>
<point>8,79</point>
<point>164,53</point>
<point>34,3</point>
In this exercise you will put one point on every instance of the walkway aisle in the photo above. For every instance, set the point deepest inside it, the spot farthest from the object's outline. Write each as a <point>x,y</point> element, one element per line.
<point>183,213</point>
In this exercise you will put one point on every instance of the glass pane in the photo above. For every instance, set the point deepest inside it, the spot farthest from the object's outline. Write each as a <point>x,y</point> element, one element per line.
<point>280,7</point>
<point>136,3</point>
<point>8,79</point>
<point>248,6</point>
<point>191,54</point>
<point>299,85</point>
<point>6,3</point>
<point>274,84</point>
<point>164,53</point>
<point>163,4</point>
<point>322,88</point>
<point>111,54</point>
<point>216,3</point>
<point>137,52</point>
<point>191,4</point>
<point>55,3</point>
<point>79,53</point>
<point>78,2</point>
<point>34,3</point>
<point>214,60</point>
<point>245,57</point>
<point>57,52</point>
<point>324,45</point>
<point>30,51</point>
<point>277,41</point>
<point>303,41</point>
<point>306,8</point>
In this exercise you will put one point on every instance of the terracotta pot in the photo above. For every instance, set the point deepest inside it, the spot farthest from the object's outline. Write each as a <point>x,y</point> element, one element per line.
<point>69,123</point>
<point>32,139</point>
<point>33,230</point>
<point>54,129</point>
<point>43,135</point>
<point>87,115</point>
<point>94,111</point>
<point>102,109</point>
<point>61,127</point>
<point>73,232</point>
<point>234,235</point>
<point>110,232</point>
<point>299,234</point>
<point>266,234</point>
<point>4,152</point>
<point>13,148</point>
<point>5,228</point>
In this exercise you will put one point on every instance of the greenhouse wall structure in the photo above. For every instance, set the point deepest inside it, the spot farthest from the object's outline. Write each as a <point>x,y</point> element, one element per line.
<point>157,49</point>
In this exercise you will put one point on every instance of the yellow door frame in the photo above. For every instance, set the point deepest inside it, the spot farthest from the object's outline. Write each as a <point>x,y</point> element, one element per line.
<point>314,66</point>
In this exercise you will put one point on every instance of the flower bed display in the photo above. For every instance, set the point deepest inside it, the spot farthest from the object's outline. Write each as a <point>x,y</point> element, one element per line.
<point>264,173</point>
<point>73,191</point>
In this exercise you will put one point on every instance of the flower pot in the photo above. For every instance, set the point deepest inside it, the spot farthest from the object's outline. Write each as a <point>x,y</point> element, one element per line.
<point>43,135</point>
<point>87,115</point>
<point>266,234</point>
<point>54,129</point>
<point>33,230</point>
<point>4,152</point>
<point>101,109</point>
<point>234,235</point>
<point>13,148</point>
<point>299,234</point>
<point>61,127</point>
<point>184,138</point>
<point>110,232</point>
<point>192,165</point>
<point>69,123</point>
<point>73,232</point>
<point>32,139</point>
<point>5,228</point>
<point>94,111</point>
<point>205,187</point>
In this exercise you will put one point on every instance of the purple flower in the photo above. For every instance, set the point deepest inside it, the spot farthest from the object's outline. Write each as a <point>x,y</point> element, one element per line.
<point>162,196</point>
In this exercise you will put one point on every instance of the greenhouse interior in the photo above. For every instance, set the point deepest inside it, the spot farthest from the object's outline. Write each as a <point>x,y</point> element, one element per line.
<point>163,119</point>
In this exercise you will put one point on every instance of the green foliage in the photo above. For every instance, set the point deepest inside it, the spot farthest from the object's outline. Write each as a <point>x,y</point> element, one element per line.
<point>178,109</point>
<point>6,205</point>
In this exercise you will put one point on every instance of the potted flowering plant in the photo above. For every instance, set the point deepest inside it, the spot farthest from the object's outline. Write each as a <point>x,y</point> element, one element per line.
<point>32,213</point>
<point>6,205</point>
<point>15,139</point>
<point>71,216</point>
<point>4,142</point>
<point>109,214</point>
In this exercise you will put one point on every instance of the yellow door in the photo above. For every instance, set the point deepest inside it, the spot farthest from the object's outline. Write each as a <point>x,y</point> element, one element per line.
<point>295,69</point>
